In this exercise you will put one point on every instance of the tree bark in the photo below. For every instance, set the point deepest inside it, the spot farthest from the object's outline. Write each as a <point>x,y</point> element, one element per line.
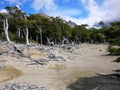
<point>19,32</point>
<point>41,36</point>
<point>27,34</point>
<point>5,22</point>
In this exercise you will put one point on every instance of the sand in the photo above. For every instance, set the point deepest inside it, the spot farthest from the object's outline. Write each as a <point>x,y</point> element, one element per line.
<point>85,61</point>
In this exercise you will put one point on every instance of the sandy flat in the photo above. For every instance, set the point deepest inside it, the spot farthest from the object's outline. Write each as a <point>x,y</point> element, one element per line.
<point>85,61</point>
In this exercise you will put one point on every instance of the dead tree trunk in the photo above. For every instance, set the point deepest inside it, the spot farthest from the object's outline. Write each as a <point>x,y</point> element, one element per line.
<point>27,33</point>
<point>65,41</point>
<point>5,24</point>
<point>41,36</point>
<point>50,42</point>
<point>19,32</point>
<point>39,27</point>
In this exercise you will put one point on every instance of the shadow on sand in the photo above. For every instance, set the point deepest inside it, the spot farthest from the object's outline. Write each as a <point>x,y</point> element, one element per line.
<point>100,82</point>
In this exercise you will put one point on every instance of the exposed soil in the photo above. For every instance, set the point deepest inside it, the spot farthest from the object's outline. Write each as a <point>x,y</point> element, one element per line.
<point>85,61</point>
<point>9,73</point>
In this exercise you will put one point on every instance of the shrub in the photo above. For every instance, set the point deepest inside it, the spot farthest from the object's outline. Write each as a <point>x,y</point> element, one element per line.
<point>117,60</point>
<point>114,50</point>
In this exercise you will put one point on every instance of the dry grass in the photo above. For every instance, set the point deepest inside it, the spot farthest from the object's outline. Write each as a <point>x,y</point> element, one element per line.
<point>9,73</point>
<point>36,55</point>
<point>56,66</point>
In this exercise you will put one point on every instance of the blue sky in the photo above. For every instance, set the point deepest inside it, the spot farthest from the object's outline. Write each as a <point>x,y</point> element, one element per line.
<point>79,11</point>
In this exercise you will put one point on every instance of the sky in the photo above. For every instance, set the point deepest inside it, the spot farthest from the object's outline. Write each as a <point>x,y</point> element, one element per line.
<point>79,11</point>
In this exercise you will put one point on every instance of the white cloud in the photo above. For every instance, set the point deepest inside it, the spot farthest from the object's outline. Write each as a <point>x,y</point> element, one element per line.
<point>4,11</point>
<point>52,9</point>
<point>43,4</point>
<point>113,9</point>
<point>18,6</point>
<point>108,11</point>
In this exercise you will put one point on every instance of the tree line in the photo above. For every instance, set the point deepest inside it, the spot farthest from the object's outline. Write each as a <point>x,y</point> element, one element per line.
<point>16,26</point>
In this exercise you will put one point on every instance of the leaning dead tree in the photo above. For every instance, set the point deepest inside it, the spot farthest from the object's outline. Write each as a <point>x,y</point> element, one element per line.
<point>50,42</point>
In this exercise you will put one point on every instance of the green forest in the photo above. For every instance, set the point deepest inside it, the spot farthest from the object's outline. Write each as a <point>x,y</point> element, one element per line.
<point>39,29</point>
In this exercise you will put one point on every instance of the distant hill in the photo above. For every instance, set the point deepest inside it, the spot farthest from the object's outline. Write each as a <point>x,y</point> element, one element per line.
<point>72,24</point>
<point>44,15</point>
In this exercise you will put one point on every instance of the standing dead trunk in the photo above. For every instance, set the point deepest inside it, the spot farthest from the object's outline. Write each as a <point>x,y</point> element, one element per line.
<point>39,27</point>
<point>41,36</point>
<point>5,24</point>
<point>48,40</point>
<point>65,41</point>
<point>27,33</point>
<point>19,32</point>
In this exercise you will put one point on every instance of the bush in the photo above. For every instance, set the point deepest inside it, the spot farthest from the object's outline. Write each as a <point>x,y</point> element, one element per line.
<point>117,60</point>
<point>114,50</point>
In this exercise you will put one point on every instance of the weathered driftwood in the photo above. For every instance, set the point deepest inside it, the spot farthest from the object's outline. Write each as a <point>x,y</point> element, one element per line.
<point>16,51</point>
<point>51,43</point>
<point>21,86</point>
<point>53,54</point>
<point>38,62</point>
